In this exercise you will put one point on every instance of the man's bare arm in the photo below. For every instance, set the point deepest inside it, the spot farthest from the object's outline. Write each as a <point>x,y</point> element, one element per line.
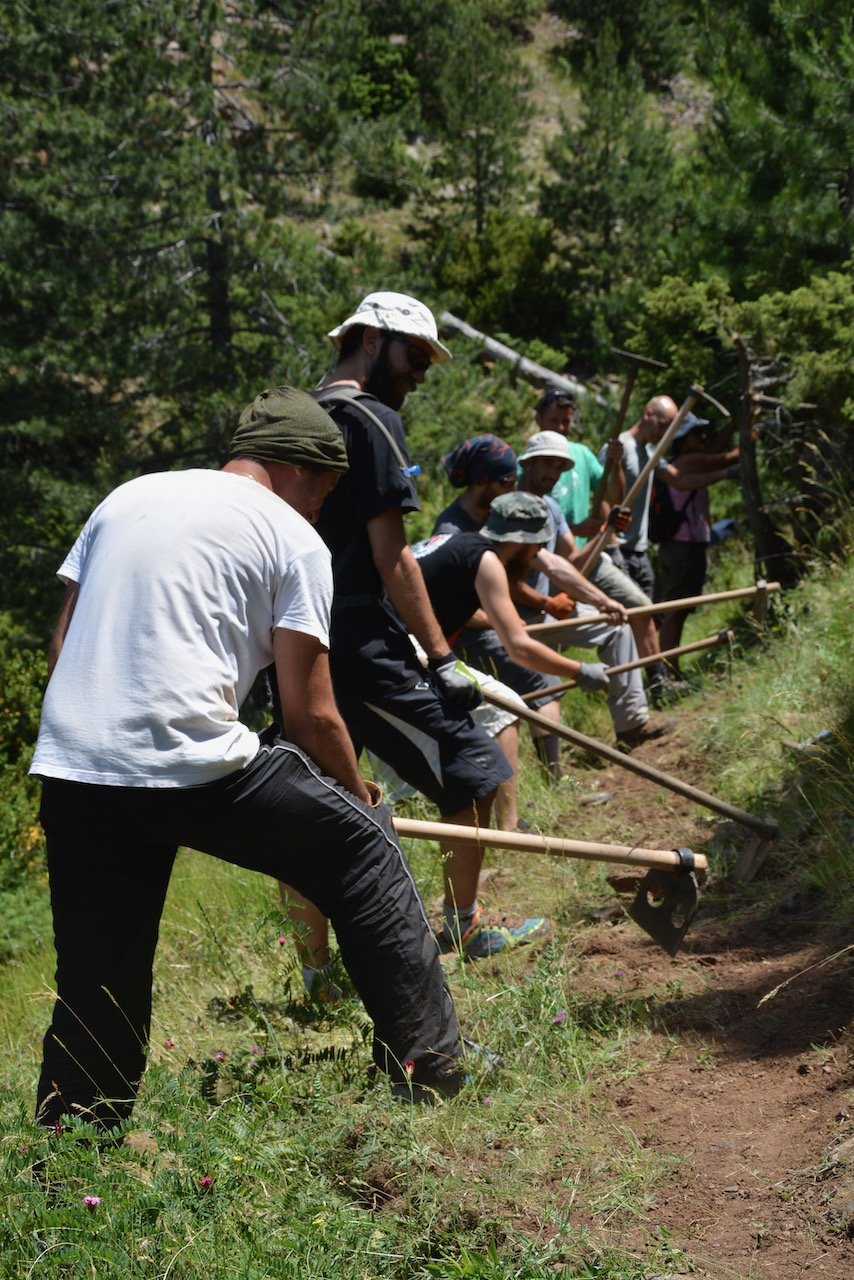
<point>565,577</point>
<point>63,622</point>
<point>311,719</point>
<point>494,595</point>
<point>402,579</point>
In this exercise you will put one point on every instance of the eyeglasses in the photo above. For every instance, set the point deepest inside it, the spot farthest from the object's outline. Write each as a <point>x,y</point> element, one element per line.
<point>419,359</point>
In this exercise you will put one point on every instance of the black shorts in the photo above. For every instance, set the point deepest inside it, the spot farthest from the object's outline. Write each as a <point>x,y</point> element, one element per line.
<point>681,569</point>
<point>435,747</point>
<point>484,651</point>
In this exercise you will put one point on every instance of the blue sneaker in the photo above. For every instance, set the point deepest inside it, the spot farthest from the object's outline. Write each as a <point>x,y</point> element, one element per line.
<point>491,932</point>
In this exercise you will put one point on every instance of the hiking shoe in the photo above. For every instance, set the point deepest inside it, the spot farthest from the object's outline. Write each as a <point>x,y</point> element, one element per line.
<point>475,1064</point>
<point>631,738</point>
<point>491,932</point>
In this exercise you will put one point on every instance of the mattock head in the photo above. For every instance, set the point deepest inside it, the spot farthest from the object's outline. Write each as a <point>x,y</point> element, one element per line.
<point>666,903</point>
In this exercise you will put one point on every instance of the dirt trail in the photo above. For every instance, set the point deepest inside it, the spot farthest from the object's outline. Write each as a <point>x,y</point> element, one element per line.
<point>756,1102</point>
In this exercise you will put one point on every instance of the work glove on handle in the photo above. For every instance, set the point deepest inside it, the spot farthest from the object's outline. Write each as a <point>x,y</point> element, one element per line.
<point>559,606</point>
<point>454,684</point>
<point>619,518</point>
<point>592,677</point>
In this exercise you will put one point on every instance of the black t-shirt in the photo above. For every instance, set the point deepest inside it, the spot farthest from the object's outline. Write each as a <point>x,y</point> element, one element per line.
<point>449,563</point>
<point>455,519</point>
<point>373,484</point>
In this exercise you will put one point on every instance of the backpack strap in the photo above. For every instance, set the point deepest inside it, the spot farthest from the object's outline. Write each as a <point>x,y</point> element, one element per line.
<point>348,395</point>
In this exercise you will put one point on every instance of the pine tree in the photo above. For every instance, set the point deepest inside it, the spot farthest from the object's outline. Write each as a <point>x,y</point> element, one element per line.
<point>774,179</point>
<point>612,200</point>
<point>148,280</point>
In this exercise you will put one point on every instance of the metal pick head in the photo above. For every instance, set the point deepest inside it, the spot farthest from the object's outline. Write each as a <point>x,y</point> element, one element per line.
<point>722,409</point>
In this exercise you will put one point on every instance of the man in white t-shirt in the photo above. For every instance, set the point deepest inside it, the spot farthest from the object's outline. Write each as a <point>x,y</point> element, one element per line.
<point>181,588</point>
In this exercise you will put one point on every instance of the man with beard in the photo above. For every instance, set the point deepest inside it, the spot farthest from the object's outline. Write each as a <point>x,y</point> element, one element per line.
<point>411,716</point>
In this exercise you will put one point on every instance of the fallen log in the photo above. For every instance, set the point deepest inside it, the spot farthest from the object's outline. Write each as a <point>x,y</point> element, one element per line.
<point>537,374</point>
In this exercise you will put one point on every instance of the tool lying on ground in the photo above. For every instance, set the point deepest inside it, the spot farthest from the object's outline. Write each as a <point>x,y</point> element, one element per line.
<point>595,546</point>
<point>765,825</point>
<point>760,588</point>
<point>722,637</point>
<point>635,363</point>
<point>667,897</point>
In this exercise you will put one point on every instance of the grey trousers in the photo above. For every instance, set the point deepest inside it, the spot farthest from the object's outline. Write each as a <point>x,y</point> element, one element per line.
<point>614,646</point>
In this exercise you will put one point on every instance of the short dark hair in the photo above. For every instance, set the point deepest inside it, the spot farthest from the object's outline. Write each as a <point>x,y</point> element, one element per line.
<point>351,340</point>
<point>554,396</point>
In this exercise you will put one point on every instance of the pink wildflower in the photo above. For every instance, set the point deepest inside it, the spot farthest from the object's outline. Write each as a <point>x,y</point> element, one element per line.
<point>220,1056</point>
<point>560,1017</point>
<point>91,1202</point>
<point>206,1182</point>
<point>168,1044</point>
<point>257,1051</point>
<point>281,939</point>
<point>486,1101</point>
<point>409,1067</point>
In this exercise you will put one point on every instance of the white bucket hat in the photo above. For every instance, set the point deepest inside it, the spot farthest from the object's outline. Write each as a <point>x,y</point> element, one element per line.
<point>548,444</point>
<point>398,313</point>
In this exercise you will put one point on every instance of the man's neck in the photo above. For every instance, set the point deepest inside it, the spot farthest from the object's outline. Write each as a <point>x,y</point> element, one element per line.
<point>474,502</point>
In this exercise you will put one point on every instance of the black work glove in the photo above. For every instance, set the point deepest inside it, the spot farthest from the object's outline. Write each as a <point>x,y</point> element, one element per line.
<point>456,686</point>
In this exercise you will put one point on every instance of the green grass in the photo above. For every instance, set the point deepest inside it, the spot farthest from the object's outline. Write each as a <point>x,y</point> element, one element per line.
<point>314,1171</point>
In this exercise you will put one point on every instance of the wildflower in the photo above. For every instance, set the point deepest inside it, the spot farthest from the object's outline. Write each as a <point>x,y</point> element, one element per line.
<point>618,973</point>
<point>91,1202</point>
<point>220,1056</point>
<point>486,1101</point>
<point>409,1067</point>
<point>206,1182</point>
<point>559,1018</point>
<point>257,1051</point>
<point>168,1044</point>
<point>281,939</point>
<point>318,1221</point>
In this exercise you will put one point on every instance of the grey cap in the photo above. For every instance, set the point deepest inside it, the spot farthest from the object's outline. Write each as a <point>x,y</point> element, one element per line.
<point>517,517</point>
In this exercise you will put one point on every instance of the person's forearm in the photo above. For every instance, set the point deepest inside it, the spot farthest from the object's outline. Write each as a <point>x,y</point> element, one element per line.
<point>530,653</point>
<point>323,736</point>
<point>565,577</point>
<point>407,592</point>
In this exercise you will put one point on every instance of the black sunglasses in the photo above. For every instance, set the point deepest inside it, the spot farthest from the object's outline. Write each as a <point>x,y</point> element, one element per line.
<point>419,359</point>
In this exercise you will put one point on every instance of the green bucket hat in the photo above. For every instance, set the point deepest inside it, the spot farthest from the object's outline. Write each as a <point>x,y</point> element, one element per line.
<point>517,517</point>
<point>283,424</point>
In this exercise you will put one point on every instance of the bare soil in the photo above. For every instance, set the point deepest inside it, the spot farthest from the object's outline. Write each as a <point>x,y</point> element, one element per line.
<point>753,1099</point>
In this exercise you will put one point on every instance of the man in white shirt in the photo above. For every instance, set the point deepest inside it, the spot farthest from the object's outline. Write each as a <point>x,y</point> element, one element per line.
<point>180,589</point>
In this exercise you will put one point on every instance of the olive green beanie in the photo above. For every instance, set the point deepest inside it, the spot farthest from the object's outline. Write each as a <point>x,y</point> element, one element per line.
<point>283,424</point>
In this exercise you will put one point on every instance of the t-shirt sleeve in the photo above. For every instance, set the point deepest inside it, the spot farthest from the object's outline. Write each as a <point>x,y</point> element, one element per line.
<point>303,601</point>
<point>596,469</point>
<point>557,516</point>
<point>379,483</point>
<point>71,569</point>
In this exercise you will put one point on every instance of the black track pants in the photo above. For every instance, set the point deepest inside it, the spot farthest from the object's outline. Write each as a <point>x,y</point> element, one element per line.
<point>110,855</point>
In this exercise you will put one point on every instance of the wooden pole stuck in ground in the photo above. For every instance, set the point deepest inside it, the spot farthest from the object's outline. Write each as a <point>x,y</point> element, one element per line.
<point>554,846</point>
<point>664,606</point>
<point>722,637</point>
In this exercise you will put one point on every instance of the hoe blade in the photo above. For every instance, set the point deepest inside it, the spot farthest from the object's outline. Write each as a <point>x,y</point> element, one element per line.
<point>665,904</point>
